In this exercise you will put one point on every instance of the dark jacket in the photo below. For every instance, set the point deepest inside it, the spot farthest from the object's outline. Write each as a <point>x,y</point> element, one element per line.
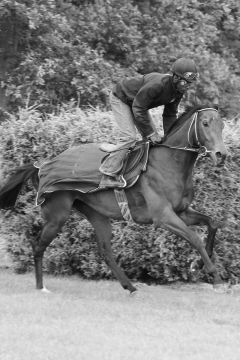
<point>145,92</point>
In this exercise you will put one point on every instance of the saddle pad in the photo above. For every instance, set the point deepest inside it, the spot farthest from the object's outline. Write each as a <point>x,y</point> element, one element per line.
<point>78,169</point>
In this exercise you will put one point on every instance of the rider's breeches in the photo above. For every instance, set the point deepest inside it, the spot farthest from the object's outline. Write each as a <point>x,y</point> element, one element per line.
<point>124,119</point>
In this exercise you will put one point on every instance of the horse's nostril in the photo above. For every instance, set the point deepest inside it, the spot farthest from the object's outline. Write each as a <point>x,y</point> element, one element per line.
<point>221,158</point>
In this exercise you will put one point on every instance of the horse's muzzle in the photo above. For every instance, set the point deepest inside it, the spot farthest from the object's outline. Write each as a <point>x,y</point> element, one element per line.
<point>220,157</point>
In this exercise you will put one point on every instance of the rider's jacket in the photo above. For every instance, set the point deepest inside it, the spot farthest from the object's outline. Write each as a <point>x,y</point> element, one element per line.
<point>144,92</point>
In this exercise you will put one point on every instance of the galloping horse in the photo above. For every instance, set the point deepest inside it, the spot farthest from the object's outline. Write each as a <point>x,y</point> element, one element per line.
<point>161,196</point>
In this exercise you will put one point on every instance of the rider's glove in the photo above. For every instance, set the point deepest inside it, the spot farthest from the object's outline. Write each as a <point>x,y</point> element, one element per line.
<point>155,138</point>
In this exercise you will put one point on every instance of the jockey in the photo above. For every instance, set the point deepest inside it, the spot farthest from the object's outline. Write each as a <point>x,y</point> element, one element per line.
<point>131,99</point>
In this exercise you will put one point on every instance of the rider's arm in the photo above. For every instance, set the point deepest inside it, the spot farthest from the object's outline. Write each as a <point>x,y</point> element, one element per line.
<point>170,114</point>
<point>142,102</point>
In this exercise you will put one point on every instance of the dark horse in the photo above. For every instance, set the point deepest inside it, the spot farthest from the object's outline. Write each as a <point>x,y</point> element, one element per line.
<point>161,196</point>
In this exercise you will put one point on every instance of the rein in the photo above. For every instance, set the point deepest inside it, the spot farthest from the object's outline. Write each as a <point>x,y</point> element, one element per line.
<point>201,150</point>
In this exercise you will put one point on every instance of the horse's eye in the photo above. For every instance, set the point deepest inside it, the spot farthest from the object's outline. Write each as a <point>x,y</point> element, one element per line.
<point>205,123</point>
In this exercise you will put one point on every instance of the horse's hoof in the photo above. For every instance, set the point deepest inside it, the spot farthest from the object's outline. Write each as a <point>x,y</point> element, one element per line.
<point>133,291</point>
<point>195,266</point>
<point>45,290</point>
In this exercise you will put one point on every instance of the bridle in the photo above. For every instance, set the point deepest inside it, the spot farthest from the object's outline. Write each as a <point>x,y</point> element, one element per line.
<point>200,149</point>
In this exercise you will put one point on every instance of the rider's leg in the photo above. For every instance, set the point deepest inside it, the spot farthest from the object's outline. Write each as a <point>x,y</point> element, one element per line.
<point>124,119</point>
<point>127,134</point>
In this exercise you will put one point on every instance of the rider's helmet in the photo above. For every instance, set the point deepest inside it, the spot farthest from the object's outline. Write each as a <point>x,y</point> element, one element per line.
<point>186,69</point>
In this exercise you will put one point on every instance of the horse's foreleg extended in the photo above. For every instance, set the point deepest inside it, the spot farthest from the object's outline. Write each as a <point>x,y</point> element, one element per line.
<point>103,229</point>
<point>193,217</point>
<point>172,222</point>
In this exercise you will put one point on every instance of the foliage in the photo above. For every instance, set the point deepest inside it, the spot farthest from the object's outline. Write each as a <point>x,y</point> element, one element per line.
<point>32,137</point>
<point>77,49</point>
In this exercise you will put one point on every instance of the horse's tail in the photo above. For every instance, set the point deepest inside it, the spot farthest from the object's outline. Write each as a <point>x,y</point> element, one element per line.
<point>9,192</point>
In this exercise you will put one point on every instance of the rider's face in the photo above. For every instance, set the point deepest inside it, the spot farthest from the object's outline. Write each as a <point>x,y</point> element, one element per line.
<point>182,85</point>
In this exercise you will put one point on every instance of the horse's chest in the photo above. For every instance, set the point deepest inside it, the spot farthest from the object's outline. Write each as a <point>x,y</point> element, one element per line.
<point>177,189</point>
<point>182,196</point>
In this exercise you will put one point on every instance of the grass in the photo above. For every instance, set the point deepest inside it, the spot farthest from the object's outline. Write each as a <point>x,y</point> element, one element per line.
<point>98,320</point>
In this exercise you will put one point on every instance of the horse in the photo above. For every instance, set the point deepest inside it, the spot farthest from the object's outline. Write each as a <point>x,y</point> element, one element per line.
<point>162,195</point>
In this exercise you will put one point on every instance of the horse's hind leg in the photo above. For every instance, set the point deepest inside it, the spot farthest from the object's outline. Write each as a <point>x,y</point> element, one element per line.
<point>103,229</point>
<point>193,217</point>
<point>55,212</point>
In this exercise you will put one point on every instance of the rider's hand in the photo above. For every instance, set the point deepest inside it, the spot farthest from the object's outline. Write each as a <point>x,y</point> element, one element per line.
<point>155,138</point>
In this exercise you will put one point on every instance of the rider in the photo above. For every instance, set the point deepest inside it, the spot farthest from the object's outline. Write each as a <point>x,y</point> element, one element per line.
<point>131,99</point>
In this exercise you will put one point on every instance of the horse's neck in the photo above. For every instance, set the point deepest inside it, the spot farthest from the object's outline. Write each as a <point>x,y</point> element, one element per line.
<point>182,160</point>
<point>180,137</point>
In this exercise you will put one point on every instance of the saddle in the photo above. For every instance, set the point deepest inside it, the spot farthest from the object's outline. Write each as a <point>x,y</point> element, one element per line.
<point>125,163</point>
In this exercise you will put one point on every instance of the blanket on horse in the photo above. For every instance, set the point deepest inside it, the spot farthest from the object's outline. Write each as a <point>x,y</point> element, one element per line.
<point>78,169</point>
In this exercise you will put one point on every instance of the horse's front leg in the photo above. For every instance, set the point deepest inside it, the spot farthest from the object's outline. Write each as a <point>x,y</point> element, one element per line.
<point>171,221</point>
<point>193,217</point>
<point>103,229</point>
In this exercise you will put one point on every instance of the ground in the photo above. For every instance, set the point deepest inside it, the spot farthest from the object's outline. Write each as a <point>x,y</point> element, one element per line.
<point>99,320</point>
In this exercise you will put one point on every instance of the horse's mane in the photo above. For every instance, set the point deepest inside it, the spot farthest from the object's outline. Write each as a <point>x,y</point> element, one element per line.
<point>189,111</point>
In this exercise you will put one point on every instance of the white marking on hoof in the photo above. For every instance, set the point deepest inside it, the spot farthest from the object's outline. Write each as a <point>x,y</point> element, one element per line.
<point>45,290</point>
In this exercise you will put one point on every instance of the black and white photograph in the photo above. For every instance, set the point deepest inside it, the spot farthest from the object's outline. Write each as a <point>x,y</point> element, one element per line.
<point>119,180</point>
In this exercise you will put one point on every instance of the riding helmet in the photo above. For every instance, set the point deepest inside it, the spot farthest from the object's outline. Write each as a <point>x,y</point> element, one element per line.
<point>185,68</point>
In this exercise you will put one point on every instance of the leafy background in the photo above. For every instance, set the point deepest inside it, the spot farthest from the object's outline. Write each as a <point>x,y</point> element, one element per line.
<point>53,51</point>
<point>58,61</point>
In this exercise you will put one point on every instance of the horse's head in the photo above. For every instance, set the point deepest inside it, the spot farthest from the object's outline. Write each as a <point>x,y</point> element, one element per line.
<point>208,134</point>
<point>198,129</point>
